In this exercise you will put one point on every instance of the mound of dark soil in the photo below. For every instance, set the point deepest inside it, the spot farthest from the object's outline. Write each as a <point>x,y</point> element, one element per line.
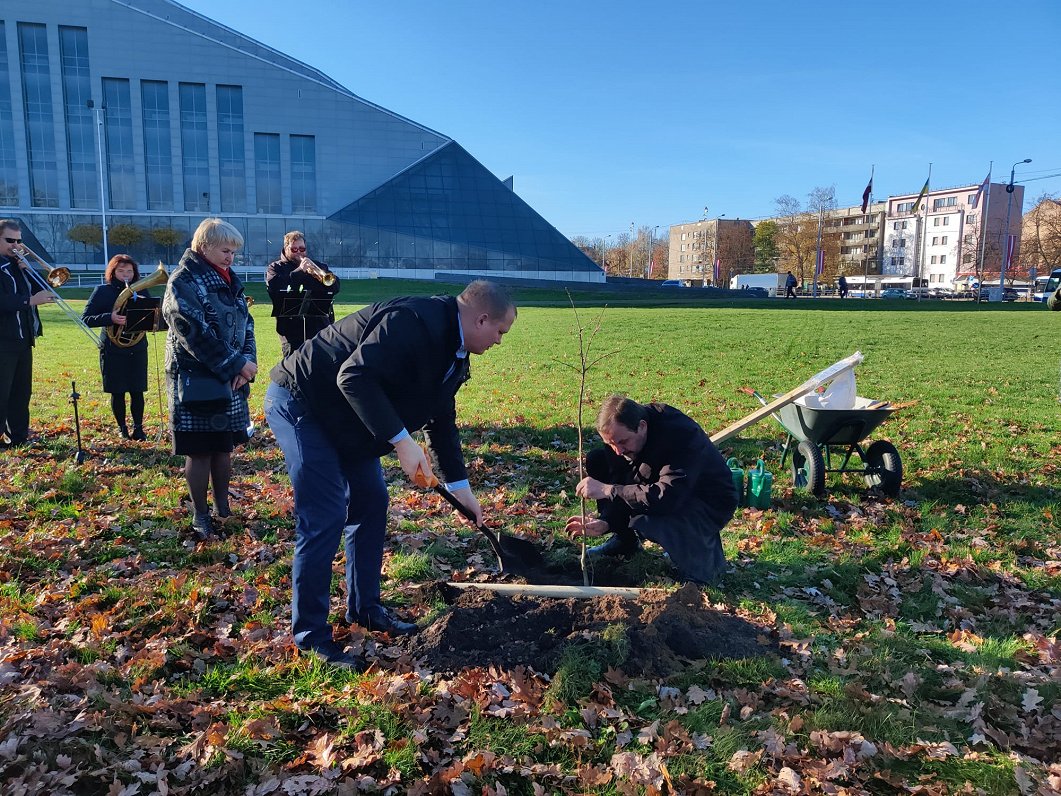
<point>667,632</point>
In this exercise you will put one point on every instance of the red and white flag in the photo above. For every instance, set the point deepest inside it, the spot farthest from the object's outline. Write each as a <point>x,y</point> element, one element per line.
<point>984,186</point>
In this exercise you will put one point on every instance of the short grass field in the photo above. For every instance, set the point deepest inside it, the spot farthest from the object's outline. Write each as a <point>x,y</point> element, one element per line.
<point>918,636</point>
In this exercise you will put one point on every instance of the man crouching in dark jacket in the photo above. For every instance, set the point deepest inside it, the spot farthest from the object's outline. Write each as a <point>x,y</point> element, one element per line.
<point>659,478</point>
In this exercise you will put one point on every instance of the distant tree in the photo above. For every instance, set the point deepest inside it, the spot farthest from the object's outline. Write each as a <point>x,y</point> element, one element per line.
<point>167,238</point>
<point>764,238</point>
<point>125,235</point>
<point>796,238</point>
<point>90,235</point>
<point>1041,236</point>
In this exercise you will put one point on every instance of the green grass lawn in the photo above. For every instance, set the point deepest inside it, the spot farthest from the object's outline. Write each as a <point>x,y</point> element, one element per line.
<point>919,635</point>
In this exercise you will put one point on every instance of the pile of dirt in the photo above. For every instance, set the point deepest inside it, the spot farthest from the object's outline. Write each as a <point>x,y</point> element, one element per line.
<point>667,632</point>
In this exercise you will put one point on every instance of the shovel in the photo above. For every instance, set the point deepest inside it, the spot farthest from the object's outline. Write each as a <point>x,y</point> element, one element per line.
<point>513,554</point>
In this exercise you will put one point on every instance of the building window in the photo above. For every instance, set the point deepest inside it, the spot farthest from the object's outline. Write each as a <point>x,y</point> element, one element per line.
<point>946,221</point>
<point>943,259</point>
<point>902,261</point>
<point>971,218</point>
<point>967,258</point>
<point>935,240</point>
<point>37,102</point>
<point>933,260</point>
<point>904,207</point>
<point>195,154</point>
<point>902,243</point>
<point>943,240</point>
<point>231,159</point>
<point>121,167</point>
<point>8,164</point>
<point>158,157</point>
<point>267,172</point>
<point>303,174</point>
<point>80,133</point>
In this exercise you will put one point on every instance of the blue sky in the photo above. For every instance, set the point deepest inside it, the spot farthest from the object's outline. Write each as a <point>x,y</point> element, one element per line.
<point>609,113</point>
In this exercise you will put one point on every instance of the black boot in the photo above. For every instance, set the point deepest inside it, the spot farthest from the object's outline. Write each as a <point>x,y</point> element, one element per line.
<point>620,545</point>
<point>138,433</point>
<point>123,430</point>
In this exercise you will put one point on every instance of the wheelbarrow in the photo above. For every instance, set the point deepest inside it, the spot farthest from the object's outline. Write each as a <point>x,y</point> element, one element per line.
<point>818,436</point>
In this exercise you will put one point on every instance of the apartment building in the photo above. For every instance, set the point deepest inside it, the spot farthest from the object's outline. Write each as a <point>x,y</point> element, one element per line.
<point>694,247</point>
<point>942,242</point>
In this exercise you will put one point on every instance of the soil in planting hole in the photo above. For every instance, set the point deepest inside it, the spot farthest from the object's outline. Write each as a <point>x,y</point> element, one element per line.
<point>665,632</point>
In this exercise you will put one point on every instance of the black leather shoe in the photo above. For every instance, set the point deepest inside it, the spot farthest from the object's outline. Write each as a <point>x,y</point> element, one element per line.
<point>138,434</point>
<point>380,620</point>
<point>202,527</point>
<point>621,546</point>
<point>336,656</point>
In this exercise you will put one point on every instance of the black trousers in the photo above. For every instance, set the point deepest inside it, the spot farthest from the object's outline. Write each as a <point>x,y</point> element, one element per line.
<point>16,387</point>
<point>692,537</point>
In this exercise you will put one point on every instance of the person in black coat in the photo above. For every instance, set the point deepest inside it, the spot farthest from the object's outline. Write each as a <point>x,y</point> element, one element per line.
<point>291,277</point>
<point>659,478</point>
<point>124,369</point>
<point>20,325</point>
<point>341,401</point>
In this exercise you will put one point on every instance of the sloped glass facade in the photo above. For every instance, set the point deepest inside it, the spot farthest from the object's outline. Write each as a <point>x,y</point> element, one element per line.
<point>449,213</point>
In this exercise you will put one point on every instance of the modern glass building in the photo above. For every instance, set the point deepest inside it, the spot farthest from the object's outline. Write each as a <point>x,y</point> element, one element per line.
<point>166,117</point>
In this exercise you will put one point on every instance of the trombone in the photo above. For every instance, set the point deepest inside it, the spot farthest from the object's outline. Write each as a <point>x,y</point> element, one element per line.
<point>54,278</point>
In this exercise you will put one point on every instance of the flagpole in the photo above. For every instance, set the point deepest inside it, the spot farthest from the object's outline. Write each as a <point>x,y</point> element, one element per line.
<point>818,250</point>
<point>983,227</point>
<point>869,209</point>
<point>924,232</point>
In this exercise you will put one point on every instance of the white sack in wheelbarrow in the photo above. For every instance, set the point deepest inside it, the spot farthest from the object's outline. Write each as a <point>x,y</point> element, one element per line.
<point>838,394</point>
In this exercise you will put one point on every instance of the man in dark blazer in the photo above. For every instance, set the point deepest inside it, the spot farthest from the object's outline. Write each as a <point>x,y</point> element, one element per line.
<point>302,302</point>
<point>349,395</point>
<point>20,325</point>
<point>659,478</point>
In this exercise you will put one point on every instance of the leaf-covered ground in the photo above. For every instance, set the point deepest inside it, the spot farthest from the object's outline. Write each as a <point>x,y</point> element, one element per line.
<point>135,660</point>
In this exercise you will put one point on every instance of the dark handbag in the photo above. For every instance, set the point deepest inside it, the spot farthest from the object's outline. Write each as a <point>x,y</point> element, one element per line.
<point>202,388</point>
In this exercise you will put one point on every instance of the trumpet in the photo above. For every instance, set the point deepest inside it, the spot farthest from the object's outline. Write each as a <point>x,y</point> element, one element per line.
<point>54,278</point>
<point>326,278</point>
<point>117,334</point>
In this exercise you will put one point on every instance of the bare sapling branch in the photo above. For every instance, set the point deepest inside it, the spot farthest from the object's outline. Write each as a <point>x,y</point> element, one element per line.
<point>585,364</point>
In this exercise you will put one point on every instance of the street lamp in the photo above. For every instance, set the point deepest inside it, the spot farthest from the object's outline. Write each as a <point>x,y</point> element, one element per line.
<point>604,254</point>
<point>100,120</point>
<point>714,253</point>
<point>1009,248</point>
<point>648,245</point>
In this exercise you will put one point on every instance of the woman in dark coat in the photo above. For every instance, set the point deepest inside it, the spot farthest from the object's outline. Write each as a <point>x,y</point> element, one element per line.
<point>124,369</point>
<point>211,358</point>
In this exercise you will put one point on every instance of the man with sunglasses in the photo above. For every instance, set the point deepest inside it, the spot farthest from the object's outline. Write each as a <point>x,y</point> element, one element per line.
<point>302,303</point>
<point>20,325</point>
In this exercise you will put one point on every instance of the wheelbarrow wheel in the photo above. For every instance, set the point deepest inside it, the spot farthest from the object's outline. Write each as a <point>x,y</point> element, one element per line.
<point>808,468</point>
<point>884,468</point>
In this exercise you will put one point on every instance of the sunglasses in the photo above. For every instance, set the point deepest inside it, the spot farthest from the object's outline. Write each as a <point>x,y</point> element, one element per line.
<point>296,249</point>
<point>13,240</point>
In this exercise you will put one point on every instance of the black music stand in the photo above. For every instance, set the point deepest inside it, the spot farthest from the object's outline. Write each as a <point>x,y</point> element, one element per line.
<point>302,305</point>
<point>144,315</point>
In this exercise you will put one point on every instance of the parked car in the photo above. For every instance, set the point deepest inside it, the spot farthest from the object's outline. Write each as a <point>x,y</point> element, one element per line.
<point>755,292</point>
<point>1008,294</point>
<point>893,293</point>
<point>671,283</point>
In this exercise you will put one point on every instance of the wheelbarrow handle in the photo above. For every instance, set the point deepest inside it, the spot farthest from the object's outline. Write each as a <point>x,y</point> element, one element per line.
<point>754,394</point>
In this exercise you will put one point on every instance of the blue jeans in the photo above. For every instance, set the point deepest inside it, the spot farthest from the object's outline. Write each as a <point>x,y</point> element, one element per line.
<point>337,496</point>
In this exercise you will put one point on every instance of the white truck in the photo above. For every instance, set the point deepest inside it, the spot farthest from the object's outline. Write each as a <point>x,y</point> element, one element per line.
<point>773,284</point>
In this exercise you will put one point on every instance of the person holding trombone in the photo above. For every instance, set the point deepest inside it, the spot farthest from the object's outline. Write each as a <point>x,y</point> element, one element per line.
<point>20,325</point>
